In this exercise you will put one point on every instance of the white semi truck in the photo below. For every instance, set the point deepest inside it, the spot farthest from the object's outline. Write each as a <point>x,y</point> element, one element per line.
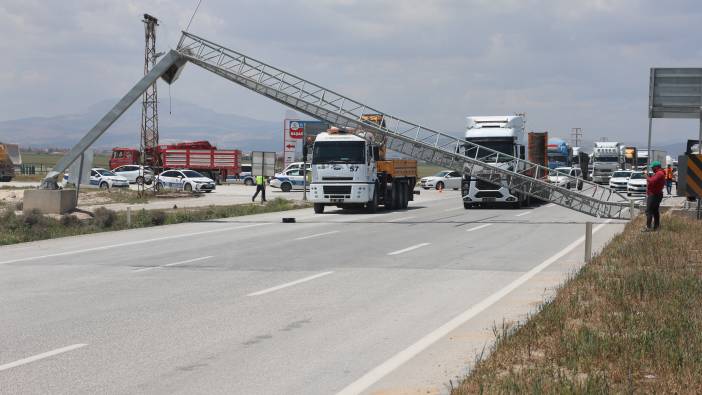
<point>350,171</point>
<point>503,134</point>
<point>606,159</point>
<point>642,159</point>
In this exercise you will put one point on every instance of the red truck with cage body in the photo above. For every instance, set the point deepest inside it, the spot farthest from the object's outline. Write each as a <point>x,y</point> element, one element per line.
<point>200,156</point>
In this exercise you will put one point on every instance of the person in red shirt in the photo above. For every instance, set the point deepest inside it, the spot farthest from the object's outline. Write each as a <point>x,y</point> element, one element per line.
<point>654,196</point>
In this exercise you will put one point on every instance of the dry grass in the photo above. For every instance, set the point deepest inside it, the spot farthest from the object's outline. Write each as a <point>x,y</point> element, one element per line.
<point>629,322</point>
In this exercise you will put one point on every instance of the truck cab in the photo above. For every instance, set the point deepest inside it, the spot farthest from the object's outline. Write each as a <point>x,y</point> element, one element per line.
<point>504,134</point>
<point>606,159</point>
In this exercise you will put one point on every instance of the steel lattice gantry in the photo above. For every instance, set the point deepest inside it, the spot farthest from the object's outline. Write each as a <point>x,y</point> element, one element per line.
<point>401,136</point>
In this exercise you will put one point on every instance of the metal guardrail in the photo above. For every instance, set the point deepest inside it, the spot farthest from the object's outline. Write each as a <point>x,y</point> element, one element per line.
<point>402,136</point>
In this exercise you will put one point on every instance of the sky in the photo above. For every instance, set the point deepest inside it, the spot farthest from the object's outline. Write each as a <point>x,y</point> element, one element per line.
<point>580,63</point>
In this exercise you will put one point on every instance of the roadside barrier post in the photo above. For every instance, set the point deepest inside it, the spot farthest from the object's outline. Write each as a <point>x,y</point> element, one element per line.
<point>129,216</point>
<point>588,242</point>
<point>631,209</point>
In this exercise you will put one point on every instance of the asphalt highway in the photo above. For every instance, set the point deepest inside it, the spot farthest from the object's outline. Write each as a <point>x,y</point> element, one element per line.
<point>393,302</point>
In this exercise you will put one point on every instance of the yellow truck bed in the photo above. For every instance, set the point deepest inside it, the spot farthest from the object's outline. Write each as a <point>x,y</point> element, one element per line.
<point>398,167</point>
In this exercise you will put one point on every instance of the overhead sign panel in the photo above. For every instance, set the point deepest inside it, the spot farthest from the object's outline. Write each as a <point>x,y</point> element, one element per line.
<point>675,92</point>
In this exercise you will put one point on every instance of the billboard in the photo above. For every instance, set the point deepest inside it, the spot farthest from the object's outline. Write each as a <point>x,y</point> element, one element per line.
<point>293,132</point>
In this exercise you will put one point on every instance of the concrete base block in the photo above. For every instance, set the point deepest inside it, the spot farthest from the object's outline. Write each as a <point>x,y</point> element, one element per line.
<point>49,201</point>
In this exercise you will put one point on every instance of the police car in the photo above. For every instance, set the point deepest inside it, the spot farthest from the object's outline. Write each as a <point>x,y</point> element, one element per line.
<point>105,179</point>
<point>289,180</point>
<point>184,180</point>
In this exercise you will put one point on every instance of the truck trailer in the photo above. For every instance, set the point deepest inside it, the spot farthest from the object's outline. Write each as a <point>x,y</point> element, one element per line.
<point>559,153</point>
<point>349,170</point>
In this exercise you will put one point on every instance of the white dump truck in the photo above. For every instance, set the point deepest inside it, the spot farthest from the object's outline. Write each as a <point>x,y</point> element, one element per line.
<point>606,159</point>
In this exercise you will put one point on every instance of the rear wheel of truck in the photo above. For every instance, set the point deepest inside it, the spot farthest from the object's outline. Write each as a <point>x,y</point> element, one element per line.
<point>467,206</point>
<point>404,189</point>
<point>318,208</point>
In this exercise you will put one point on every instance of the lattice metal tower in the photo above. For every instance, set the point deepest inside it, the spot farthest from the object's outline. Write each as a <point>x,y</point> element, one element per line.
<point>576,136</point>
<point>149,109</point>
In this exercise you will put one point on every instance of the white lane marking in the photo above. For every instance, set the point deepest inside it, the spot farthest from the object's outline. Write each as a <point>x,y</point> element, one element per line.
<point>414,247</point>
<point>524,213</point>
<point>290,284</point>
<point>317,235</point>
<point>130,243</point>
<point>453,209</point>
<point>143,269</point>
<point>37,357</point>
<point>400,219</point>
<point>410,352</point>
<point>478,227</point>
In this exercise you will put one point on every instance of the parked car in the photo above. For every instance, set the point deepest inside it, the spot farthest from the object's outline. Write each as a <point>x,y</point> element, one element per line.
<point>296,166</point>
<point>184,180</point>
<point>289,180</point>
<point>135,174</point>
<point>445,179</point>
<point>245,176</point>
<point>560,177</point>
<point>637,184</point>
<point>105,179</point>
<point>619,180</point>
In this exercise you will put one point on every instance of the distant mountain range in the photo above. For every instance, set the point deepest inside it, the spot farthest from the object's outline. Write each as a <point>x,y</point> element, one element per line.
<point>187,122</point>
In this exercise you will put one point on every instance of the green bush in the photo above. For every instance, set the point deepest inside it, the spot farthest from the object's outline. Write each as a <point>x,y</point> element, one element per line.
<point>158,217</point>
<point>69,220</point>
<point>104,218</point>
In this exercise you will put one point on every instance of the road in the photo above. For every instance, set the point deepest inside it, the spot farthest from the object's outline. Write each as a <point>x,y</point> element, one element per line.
<point>394,302</point>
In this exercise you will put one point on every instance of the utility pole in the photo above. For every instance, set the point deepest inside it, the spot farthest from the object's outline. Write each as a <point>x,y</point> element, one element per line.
<point>576,136</point>
<point>149,109</point>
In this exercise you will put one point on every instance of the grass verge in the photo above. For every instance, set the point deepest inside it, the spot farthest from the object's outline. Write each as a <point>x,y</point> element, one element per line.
<point>629,322</point>
<point>35,226</point>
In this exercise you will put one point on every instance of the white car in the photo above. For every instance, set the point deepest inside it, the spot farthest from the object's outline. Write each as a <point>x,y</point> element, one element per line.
<point>619,180</point>
<point>560,177</point>
<point>637,184</point>
<point>135,174</point>
<point>445,179</point>
<point>105,179</point>
<point>289,180</point>
<point>184,180</point>
<point>296,166</point>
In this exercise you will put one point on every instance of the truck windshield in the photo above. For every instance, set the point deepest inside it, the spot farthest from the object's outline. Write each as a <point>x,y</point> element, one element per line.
<point>338,152</point>
<point>503,146</point>
<point>606,159</point>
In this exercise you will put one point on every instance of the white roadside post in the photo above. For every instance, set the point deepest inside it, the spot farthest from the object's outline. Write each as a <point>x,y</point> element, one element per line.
<point>129,216</point>
<point>588,242</point>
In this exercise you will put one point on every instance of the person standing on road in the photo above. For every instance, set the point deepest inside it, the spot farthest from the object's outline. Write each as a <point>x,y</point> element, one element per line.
<point>260,187</point>
<point>654,196</point>
<point>669,179</point>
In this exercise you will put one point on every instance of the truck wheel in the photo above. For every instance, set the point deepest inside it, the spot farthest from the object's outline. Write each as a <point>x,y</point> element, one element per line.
<point>248,182</point>
<point>188,188</point>
<point>286,187</point>
<point>104,186</point>
<point>467,206</point>
<point>372,206</point>
<point>318,208</point>
<point>140,180</point>
<point>405,195</point>
<point>391,197</point>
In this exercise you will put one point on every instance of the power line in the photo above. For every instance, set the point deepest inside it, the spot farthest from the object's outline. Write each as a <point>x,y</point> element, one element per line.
<point>193,16</point>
